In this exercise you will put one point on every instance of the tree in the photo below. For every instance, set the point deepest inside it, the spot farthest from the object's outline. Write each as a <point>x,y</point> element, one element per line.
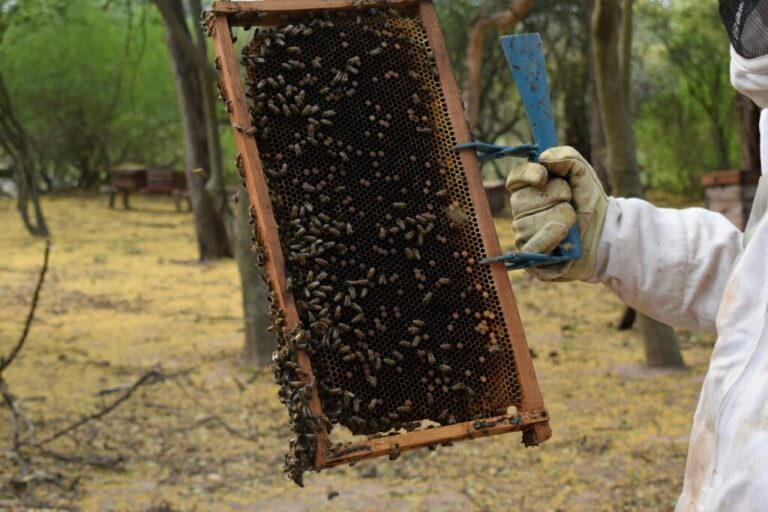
<point>749,122</point>
<point>681,83</point>
<point>82,116</point>
<point>612,75</point>
<point>564,29</point>
<point>258,340</point>
<point>217,227</point>
<point>211,234</point>
<point>14,141</point>
<point>501,20</point>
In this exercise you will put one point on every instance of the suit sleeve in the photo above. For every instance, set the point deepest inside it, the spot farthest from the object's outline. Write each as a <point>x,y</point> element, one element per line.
<point>672,265</point>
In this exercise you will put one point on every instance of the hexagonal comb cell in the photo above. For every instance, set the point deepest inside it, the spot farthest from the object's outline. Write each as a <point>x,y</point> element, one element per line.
<point>382,244</point>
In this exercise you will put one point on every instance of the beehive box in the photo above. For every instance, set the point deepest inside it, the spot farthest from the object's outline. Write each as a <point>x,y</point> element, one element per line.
<point>165,181</point>
<point>128,177</point>
<point>372,229</point>
<point>731,193</point>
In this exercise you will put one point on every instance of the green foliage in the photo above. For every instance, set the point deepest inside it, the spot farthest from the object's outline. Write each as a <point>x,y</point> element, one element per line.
<point>92,86</point>
<point>685,114</point>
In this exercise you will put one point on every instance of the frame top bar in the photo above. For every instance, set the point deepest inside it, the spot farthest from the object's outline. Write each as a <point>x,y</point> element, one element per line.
<point>295,6</point>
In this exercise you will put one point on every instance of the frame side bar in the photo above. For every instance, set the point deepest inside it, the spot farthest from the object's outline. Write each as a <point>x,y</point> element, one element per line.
<point>394,445</point>
<point>259,198</point>
<point>532,399</point>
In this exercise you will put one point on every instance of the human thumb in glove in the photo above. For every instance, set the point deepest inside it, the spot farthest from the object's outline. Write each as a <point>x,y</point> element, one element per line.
<point>550,197</point>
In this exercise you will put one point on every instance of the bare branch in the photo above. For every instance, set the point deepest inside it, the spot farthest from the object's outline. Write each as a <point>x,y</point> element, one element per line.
<point>151,376</point>
<point>181,34</point>
<point>474,60</point>
<point>6,361</point>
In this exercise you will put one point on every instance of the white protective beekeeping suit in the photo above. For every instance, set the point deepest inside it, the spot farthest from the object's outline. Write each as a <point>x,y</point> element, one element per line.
<point>692,268</point>
<point>689,268</point>
<point>695,270</point>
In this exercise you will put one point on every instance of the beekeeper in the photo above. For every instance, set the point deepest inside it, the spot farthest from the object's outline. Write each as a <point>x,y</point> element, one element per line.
<point>690,268</point>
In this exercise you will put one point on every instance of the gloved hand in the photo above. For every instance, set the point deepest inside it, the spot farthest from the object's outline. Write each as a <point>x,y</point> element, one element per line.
<point>541,195</point>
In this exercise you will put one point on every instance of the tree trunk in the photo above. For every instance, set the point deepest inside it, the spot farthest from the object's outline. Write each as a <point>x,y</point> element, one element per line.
<point>211,232</point>
<point>258,347</point>
<point>576,104</point>
<point>503,20</point>
<point>598,147</point>
<point>660,343</point>
<point>15,143</point>
<point>259,342</point>
<point>661,349</point>
<point>215,185</point>
<point>749,121</point>
<point>625,50</point>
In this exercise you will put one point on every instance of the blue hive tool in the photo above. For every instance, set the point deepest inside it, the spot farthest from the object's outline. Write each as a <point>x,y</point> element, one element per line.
<point>525,56</point>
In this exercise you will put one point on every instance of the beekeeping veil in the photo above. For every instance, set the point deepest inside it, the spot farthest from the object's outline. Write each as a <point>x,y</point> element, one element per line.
<point>747,24</point>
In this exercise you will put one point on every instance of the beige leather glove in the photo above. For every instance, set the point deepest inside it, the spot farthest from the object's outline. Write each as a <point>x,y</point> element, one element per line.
<point>547,199</point>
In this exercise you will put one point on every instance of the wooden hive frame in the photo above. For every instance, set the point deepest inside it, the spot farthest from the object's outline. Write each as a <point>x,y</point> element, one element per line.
<point>531,417</point>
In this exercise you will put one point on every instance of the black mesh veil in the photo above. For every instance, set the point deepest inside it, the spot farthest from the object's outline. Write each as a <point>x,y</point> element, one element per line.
<point>747,24</point>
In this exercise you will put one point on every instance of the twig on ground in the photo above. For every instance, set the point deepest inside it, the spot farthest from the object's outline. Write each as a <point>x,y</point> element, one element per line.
<point>8,399</point>
<point>6,361</point>
<point>152,375</point>
<point>99,461</point>
<point>212,416</point>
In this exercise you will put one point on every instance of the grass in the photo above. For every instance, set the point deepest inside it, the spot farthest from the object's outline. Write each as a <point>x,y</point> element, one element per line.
<point>124,293</point>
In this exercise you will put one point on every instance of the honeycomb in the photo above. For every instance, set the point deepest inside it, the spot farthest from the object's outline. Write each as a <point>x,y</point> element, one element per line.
<point>401,321</point>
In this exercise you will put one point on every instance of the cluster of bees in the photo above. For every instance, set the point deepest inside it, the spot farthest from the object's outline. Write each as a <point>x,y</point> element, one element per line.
<point>399,318</point>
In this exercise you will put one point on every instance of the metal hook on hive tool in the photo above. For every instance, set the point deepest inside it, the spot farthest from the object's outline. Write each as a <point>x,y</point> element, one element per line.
<point>525,57</point>
<point>486,152</point>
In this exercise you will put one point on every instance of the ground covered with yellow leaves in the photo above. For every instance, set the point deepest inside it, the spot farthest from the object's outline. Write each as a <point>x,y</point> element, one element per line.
<point>125,296</point>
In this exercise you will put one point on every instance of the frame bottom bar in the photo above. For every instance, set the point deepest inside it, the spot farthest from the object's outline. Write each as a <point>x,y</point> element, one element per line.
<point>394,445</point>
